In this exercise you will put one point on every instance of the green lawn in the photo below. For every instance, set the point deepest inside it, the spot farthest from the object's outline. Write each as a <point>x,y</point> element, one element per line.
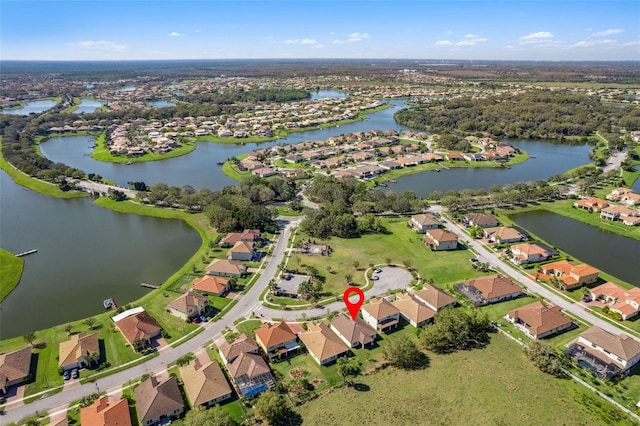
<point>495,385</point>
<point>11,268</point>
<point>101,153</point>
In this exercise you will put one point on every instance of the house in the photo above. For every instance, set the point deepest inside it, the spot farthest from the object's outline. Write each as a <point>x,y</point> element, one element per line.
<point>422,222</point>
<point>454,156</point>
<point>630,217</point>
<point>439,239</point>
<point>157,402</point>
<point>79,352</point>
<point>571,276</point>
<point>226,268</point>
<point>249,371</point>
<point>592,204</point>
<point>604,353</point>
<point>137,327</point>
<point>248,235</point>
<point>381,315</point>
<point>530,253</point>
<point>624,301</point>
<point>210,284</point>
<point>355,333</point>
<point>434,298</point>
<point>264,172</point>
<point>539,320</point>
<point>504,235</point>
<point>412,310</point>
<point>490,289</point>
<point>625,196</point>
<point>189,305</point>
<point>204,384</point>
<point>14,368</point>
<point>243,251</point>
<point>323,345</point>
<point>104,413</point>
<point>473,156</point>
<point>229,351</point>
<point>480,219</point>
<point>277,340</point>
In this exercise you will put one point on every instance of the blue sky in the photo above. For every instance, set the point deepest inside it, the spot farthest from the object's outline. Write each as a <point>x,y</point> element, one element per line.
<point>217,29</point>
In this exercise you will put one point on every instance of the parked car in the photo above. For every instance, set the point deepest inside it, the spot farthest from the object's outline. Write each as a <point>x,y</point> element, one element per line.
<point>75,373</point>
<point>378,270</point>
<point>375,278</point>
<point>203,318</point>
<point>66,375</point>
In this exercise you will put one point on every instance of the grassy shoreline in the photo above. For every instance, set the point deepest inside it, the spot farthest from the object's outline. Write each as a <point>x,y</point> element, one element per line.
<point>101,153</point>
<point>11,268</point>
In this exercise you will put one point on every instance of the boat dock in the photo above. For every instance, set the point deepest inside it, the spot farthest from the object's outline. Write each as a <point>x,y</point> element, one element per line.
<point>149,285</point>
<point>24,253</point>
<point>109,304</point>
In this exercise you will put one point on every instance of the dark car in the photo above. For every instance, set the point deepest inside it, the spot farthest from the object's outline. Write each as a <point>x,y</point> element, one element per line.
<point>66,375</point>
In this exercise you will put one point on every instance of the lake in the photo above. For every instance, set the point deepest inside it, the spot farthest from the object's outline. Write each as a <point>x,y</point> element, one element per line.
<point>612,253</point>
<point>85,254</point>
<point>88,106</point>
<point>35,107</point>
<point>160,104</point>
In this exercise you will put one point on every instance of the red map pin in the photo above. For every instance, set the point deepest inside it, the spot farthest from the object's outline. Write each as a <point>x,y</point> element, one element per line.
<point>353,307</point>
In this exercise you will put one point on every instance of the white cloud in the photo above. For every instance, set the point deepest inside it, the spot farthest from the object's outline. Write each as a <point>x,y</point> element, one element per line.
<point>539,37</point>
<point>608,32</point>
<point>449,32</point>
<point>174,34</point>
<point>339,42</point>
<point>443,43</point>
<point>591,43</point>
<point>300,41</point>
<point>358,36</point>
<point>632,43</point>
<point>470,36</point>
<point>101,45</point>
<point>318,46</point>
<point>470,40</point>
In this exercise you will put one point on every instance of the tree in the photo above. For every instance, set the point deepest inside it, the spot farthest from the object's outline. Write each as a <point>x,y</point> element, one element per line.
<point>456,329</point>
<point>356,264</point>
<point>347,368</point>
<point>214,416</point>
<point>401,352</point>
<point>90,322</point>
<point>68,328</point>
<point>272,407</point>
<point>541,354</point>
<point>117,195</point>
<point>349,277</point>
<point>29,337</point>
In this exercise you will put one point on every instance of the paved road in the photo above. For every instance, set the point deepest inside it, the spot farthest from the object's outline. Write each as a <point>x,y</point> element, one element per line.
<point>616,159</point>
<point>246,304</point>
<point>103,188</point>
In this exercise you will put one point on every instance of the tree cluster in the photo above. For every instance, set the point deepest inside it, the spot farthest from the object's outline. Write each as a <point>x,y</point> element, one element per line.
<point>402,352</point>
<point>233,96</point>
<point>541,355</point>
<point>456,329</point>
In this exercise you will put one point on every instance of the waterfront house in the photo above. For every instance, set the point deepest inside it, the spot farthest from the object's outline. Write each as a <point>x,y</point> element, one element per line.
<point>243,251</point>
<point>422,222</point>
<point>489,289</point>
<point>624,301</point>
<point>591,204</point>
<point>226,268</point>
<point>530,253</point>
<point>504,235</point>
<point>247,235</point>
<point>158,402</point>
<point>355,333</point>
<point>210,284</point>
<point>571,276</point>
<point>380,314</point>
<point>433,297</point>
<point>480,219</point>
<point>264,172</point>
<point>14,368</point>
<point>78,351</point>
<point>204,384</point>
<point>539,320</point>
<point>277,340</point>
<point>454,156</point>
<point>189,305</point>
<point>137,327</point>
<point>413,310</point>
<point>630,217</point>
<point>104,413</point>
<point>323,345</point>
<point>439,239</point>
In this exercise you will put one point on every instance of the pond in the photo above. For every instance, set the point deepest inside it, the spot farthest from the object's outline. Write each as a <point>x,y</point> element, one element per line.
<point>88,106</point>
<point>31,107</point>
<point>85,254</point>
<point>612,253</point>
<point>160,104</point>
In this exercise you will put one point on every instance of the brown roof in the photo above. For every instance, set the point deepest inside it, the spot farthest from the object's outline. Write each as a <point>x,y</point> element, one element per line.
<point>494,286</point>
<point>480,218</point>
<point>154,399</point>
<point>15,365</point>
<point>380,308</point>
<point>540,318</point>
<point>505,233</point>
<point>242,247</point>
<point>103,413</point>
<point>203,383</point>
<point>247,234</point>
<point>530,248</point>
<point>78,346</point>
<point>138,326</point>
<point>425,219</point>
<point>249,364</point>
<point>441,235</point>
<point>564,267</point>
<point>210,284</point>
<point>274,334</point>
<point>413,309</point>
<point>354,330</point>
<point>434,297</point>
<point>188,301</point>
<point>622,345</point>
<point>322,342</point>
<point>226,267</point>
<point>243,343</point>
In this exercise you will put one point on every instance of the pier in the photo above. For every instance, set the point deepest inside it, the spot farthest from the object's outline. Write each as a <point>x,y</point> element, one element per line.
<point>109,304</point>
<point>24,253</point>
<point>149,285</point>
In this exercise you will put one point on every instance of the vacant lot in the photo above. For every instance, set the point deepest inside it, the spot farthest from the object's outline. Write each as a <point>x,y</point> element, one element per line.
<point>495,385</point>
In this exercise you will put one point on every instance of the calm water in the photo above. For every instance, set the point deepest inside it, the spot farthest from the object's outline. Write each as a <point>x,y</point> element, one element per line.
<point>35,107</point>
<point>88,106</point>
<point>321,94</point>
<point>612,253</point>
<point>636,184</point>
<point>161,104</point>
<point>85,254</point>
<point>550,159</point>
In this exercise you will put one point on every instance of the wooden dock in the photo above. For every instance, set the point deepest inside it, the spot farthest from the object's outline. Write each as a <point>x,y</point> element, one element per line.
<point>24,253</point>
<point>149,285</point>
<point>109,304</point>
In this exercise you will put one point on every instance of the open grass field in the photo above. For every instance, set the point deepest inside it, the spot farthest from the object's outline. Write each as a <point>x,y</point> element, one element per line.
<point>11,268</point>
<point>492,386</point>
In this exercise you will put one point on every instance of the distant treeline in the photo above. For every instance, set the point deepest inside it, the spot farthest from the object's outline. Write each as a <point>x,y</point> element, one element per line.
<point>531,115</point>
<point>232,96</point>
